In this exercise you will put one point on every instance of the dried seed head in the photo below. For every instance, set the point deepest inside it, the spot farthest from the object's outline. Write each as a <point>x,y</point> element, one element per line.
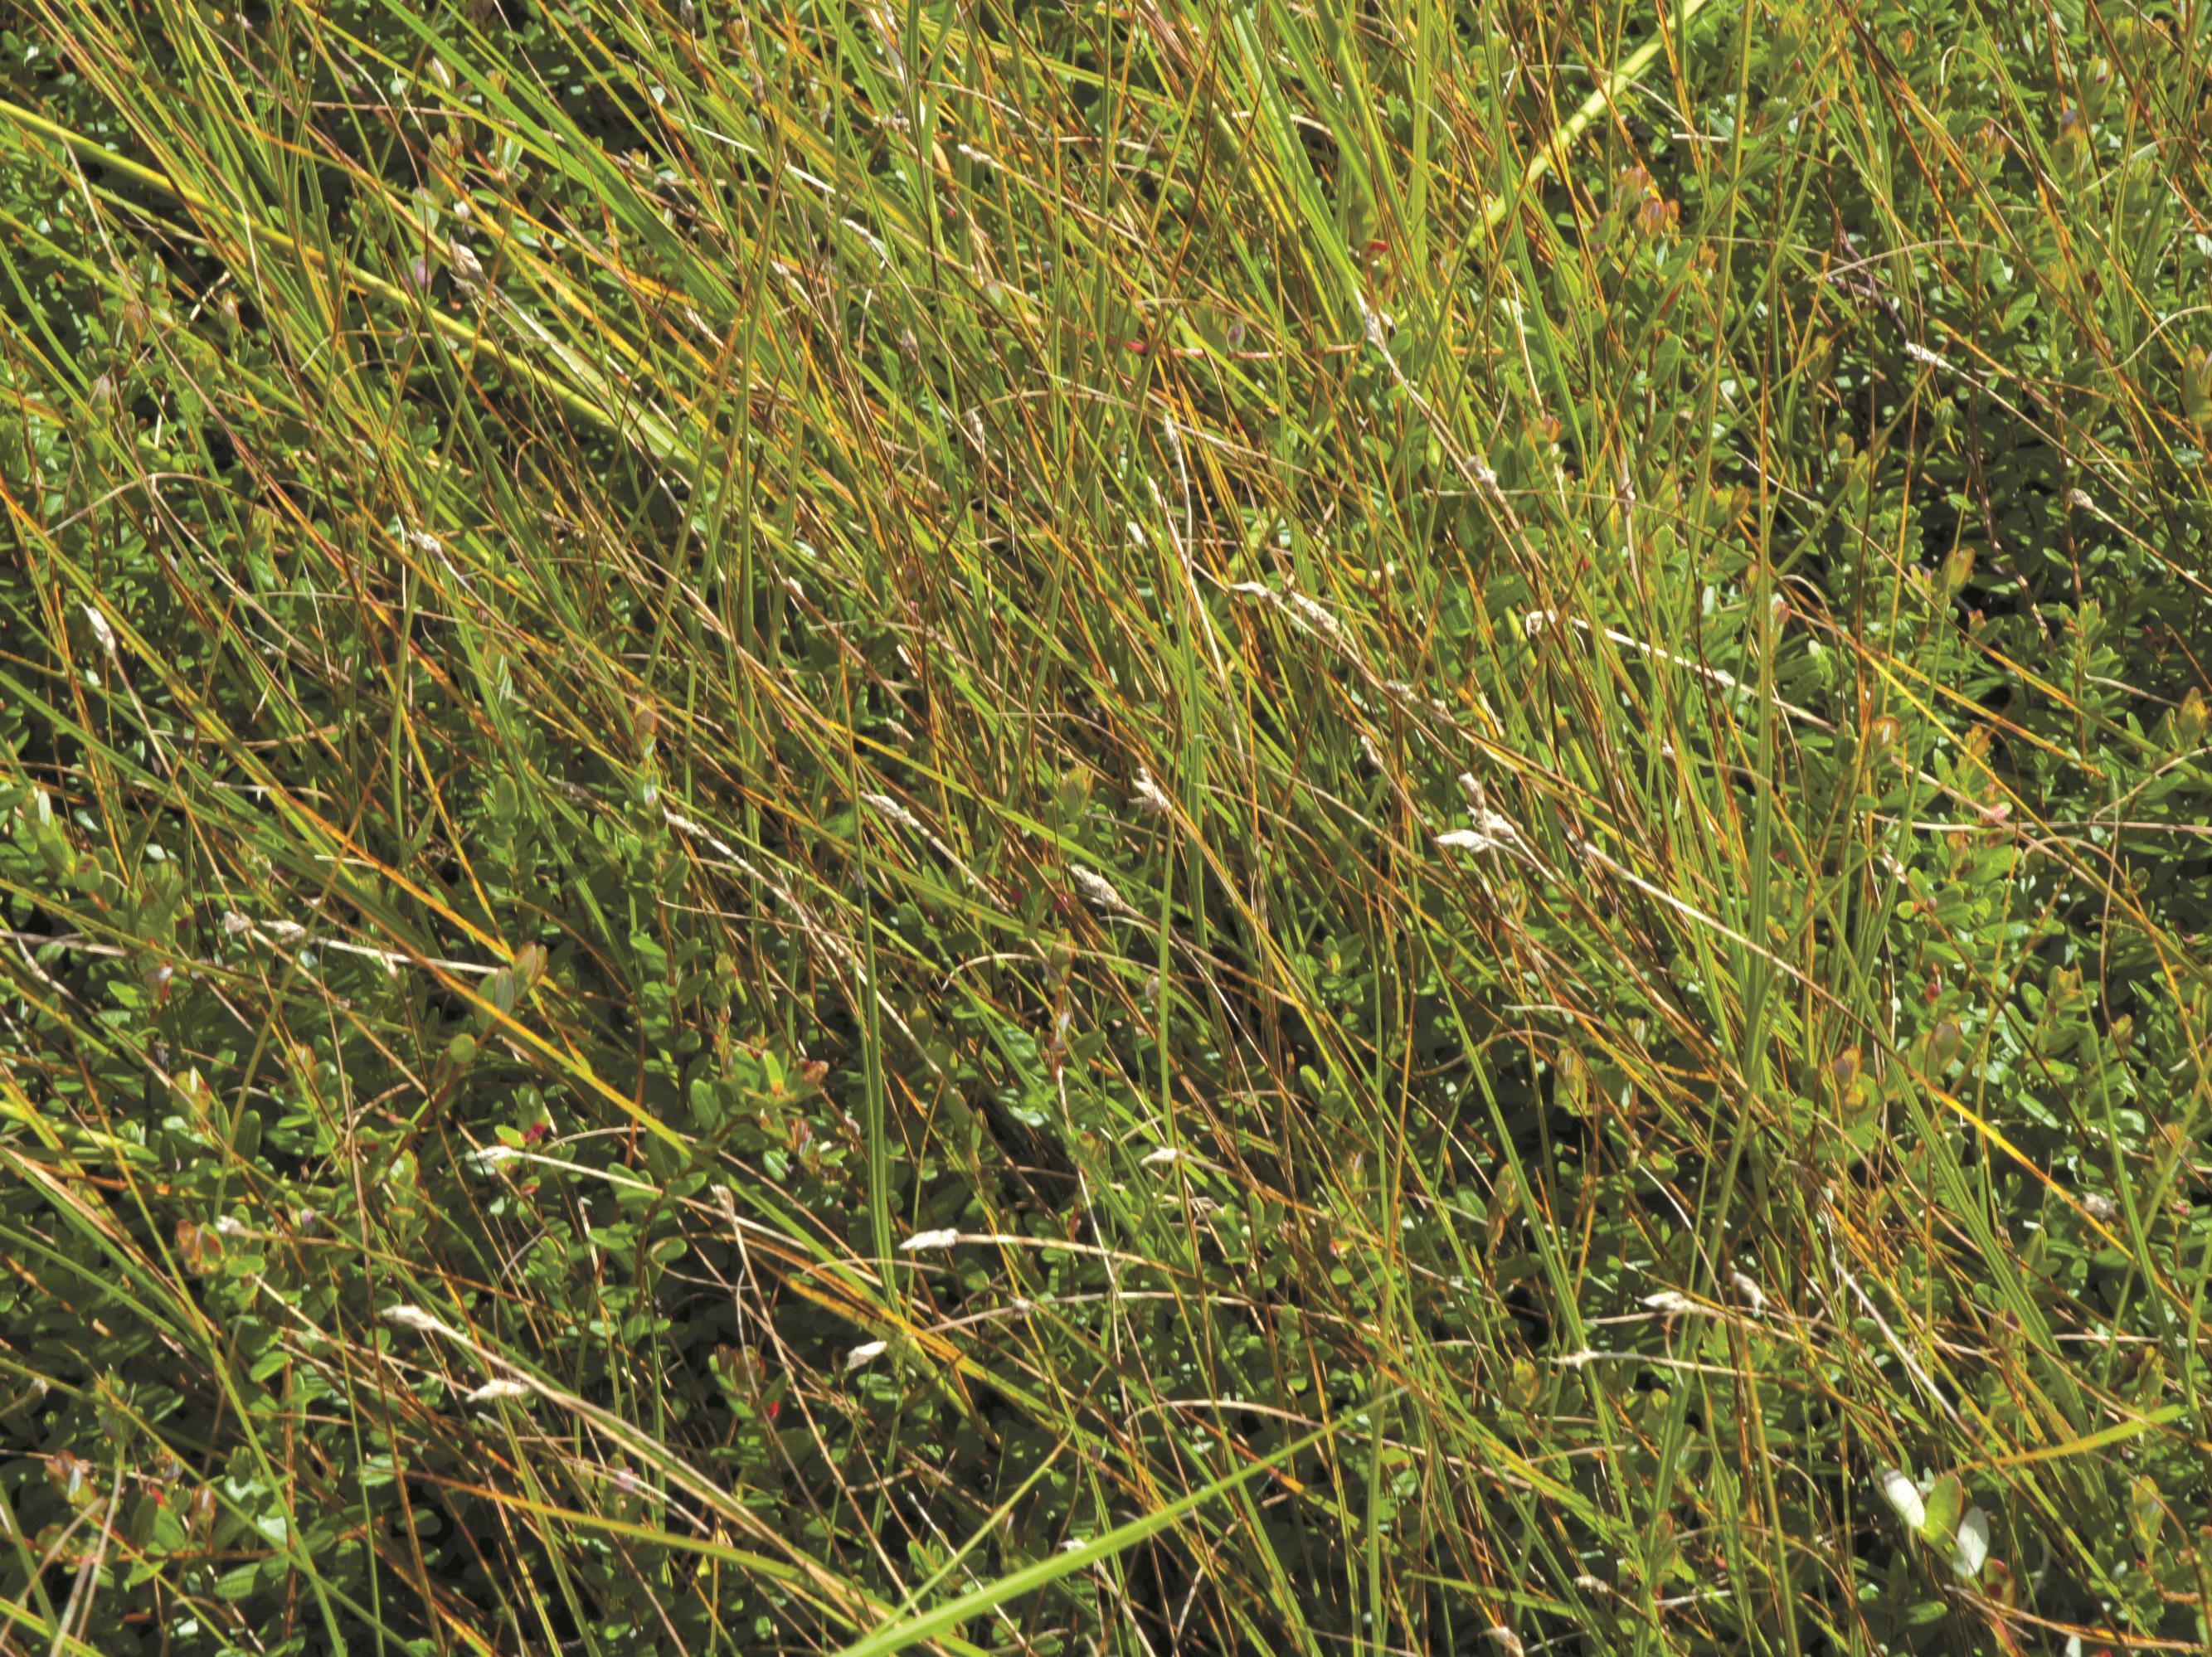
<point>1097,892</point>
<point>102,634</point>
<point>1490,830</point>
<point>493,1391</point>
<point>1466,840</point>
<point>1321,621</point>
<point>414,1317</point>
<point>866,1353</point>
<point>921,1240</point>
<point>891,809</point>
<point>468,271</point>
<point>1150,796</point>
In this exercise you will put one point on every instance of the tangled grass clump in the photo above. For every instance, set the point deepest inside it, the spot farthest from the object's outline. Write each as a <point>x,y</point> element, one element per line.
<point>1148,828</point>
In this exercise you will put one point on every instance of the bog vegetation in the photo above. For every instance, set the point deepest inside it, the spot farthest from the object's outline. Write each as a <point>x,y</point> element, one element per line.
<point>1146,827</point>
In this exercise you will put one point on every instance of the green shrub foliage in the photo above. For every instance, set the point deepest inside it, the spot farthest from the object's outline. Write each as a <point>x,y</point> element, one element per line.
<point>1200,825</point>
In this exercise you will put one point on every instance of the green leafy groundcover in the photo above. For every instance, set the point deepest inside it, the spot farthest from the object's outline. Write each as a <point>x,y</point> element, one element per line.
<point>1178,825</point>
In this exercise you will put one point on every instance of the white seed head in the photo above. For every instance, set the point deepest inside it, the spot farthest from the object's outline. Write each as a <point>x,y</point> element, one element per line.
<point>1160,1158</point>
<point>1412,698</point>
<point>493,1391</point>
<point>1667,1301</point>
<point>102,634</point>
<point>1150,796</point>
<point>468,271</point>
<point>1489,833</point>
<point>866,1353</point>
<point>1321,621</point>
<point>1377,325</point>
<point>1466,840</point>
<point>891,809</point>
<point>921,1240</point>
<point>414,1317</point>
<point>1097,890</point>
<point>1753,1297</point>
